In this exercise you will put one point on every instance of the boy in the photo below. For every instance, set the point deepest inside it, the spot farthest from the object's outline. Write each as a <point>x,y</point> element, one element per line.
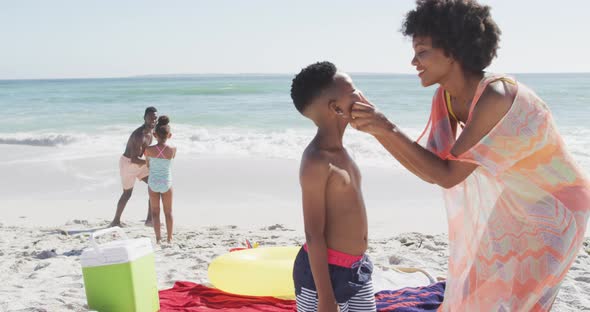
<point>331,271</point>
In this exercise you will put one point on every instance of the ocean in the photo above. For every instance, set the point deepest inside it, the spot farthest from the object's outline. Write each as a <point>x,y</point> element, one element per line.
<point>239,115</point>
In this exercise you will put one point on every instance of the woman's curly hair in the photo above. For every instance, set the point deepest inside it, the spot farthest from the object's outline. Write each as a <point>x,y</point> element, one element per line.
<point>464,29</point>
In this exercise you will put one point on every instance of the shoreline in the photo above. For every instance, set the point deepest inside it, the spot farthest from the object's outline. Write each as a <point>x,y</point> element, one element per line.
<point>208,191</point>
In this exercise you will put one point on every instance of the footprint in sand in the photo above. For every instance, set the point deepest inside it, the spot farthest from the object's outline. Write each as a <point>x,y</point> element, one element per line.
<point>275,227</point>
<point>45,254</point>
<point>395,260</point>
<point>185,255</point>
<point>76,307</point>
<point>16,267</point>
<point>73,252</point>
<point>70,293</point>
<point>170,276</point>
<point>585,279</point>
<point>74,285</point>
<point>72,276</point>
<point>201,260</point>
<point>41,265</point>
<point>172,254</point>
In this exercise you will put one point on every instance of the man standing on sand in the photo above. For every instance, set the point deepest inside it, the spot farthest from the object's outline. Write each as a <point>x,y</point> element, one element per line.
<point>132,166</point>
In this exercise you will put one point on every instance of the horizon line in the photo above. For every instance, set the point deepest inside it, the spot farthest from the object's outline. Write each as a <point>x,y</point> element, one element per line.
<point>179,75</point>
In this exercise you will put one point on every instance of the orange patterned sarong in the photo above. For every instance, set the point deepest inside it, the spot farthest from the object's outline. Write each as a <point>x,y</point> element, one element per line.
<point>517,222</point>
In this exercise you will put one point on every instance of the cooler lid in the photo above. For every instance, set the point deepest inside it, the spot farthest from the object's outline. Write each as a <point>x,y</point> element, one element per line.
<point>114,252</point>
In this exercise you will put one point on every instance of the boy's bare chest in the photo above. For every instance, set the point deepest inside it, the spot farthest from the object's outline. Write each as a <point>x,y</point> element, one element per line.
<point>343,191</point>
<point>343,176</point>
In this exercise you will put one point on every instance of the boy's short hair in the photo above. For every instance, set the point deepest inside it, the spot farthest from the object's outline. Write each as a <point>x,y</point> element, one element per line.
<point>310,82</point>
<point>150,109</point>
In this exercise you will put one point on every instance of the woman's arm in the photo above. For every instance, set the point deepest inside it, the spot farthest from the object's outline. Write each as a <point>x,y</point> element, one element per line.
<point>418,160</point>
<point>402,159</point>
<point>423,163</point>
<point>491,107</point>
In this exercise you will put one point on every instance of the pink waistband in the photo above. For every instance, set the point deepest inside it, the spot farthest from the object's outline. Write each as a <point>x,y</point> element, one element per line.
<point>339,258</point>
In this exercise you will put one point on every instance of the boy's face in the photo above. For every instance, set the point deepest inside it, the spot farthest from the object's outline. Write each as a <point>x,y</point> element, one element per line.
<point>342,94</point>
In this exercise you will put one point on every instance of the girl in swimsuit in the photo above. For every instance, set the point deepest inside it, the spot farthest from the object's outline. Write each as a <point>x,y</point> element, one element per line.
<point>159,159</point>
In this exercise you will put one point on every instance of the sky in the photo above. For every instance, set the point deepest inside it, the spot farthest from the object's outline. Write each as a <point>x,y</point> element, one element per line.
<point>120,38</point>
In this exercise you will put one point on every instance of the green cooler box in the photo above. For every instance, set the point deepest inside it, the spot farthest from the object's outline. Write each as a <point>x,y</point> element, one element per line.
<point>120,275</point>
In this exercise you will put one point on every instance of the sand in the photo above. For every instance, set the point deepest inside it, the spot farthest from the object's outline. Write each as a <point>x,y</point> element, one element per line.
<point>41,269</point>
<point>51,200</point>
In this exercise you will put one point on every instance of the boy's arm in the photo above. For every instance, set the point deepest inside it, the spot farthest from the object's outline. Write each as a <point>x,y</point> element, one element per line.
<point>313,178</point>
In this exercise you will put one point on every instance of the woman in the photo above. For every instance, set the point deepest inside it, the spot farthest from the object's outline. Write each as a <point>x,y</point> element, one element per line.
<point>517,203</point>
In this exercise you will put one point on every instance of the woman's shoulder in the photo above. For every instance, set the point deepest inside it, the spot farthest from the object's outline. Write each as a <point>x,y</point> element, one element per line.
<point>494,103</point>
<point>500,94</point>
<point>496,95</point>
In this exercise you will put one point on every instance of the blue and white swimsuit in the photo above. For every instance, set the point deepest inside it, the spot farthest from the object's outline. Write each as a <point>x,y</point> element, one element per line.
<point>160,178</point>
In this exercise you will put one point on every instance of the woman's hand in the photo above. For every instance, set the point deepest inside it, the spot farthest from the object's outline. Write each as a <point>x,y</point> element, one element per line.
<point>365,117</point>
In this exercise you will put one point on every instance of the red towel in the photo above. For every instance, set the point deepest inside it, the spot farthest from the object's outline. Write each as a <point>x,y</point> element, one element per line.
<point>187,296</point>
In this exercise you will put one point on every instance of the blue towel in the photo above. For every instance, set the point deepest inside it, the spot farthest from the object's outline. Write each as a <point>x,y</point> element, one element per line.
<point>411,299</point>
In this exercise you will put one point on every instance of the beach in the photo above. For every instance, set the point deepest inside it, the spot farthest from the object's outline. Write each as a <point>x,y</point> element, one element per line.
<point>41,267</point>
<point>244,87</point>
<point>52,204</point>
<point>235,177</point>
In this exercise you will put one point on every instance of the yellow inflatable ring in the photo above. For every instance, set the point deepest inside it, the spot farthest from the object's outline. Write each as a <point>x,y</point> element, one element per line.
<point>262,271</point>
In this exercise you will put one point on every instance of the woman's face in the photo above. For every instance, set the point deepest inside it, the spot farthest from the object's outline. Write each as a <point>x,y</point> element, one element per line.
<point>431,63</point>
